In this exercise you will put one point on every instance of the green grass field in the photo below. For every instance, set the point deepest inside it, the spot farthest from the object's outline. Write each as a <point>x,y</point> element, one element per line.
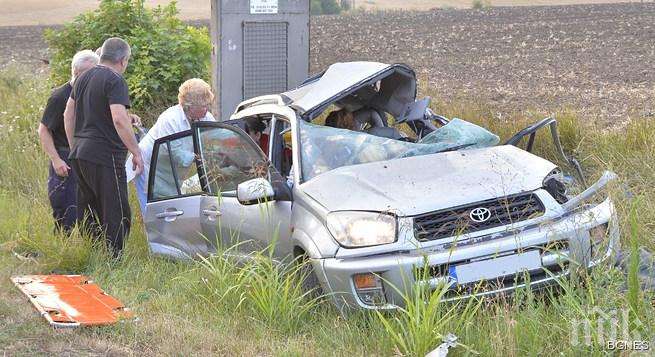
<point>216,307</point>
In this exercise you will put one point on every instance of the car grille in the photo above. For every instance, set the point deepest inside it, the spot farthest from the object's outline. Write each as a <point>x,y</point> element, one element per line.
<point>457,221</point>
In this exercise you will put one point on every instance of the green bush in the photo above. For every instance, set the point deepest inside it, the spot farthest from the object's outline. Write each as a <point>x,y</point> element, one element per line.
<point>165,51</point>
<point>346,5</point>
<point>481,4</point>
<point>325,7</point>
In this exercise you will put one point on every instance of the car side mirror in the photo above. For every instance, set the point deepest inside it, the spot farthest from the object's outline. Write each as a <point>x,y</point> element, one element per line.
<point>254,191</point>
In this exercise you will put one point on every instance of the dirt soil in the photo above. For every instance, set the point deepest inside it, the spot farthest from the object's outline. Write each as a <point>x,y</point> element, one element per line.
<point>593,59</point>
<point>53,12</point>
<point>465,4</point>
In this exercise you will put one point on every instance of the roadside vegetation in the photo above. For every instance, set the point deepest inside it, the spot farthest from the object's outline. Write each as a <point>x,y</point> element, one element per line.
<point>165,50</point>
<point>329,7</point>
<point>480,4</point>
<point>216,306</point>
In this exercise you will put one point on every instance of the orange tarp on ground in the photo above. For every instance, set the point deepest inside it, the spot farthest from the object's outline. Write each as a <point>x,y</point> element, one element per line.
<point>71,300</point>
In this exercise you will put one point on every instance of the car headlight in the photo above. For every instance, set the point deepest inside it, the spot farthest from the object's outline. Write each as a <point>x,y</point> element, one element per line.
<point>556,185</point>
<point>362,229</point>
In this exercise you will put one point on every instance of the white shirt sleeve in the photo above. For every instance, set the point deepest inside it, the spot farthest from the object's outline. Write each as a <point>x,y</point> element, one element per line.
<point>170,121</point>
<point>209,117</point>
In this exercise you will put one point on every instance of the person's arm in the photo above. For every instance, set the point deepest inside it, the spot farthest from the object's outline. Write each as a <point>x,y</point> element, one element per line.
<point>135,119</point>
<point>182,152</point>
<point>48,145</point>
<point>69,121</point>
<point>123,125</point>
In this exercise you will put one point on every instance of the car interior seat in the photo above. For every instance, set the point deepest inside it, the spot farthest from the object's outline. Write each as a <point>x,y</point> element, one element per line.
<point>368,118</point>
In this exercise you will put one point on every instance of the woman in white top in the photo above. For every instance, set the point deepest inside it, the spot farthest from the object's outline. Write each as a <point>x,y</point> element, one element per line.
<point>194,98</point>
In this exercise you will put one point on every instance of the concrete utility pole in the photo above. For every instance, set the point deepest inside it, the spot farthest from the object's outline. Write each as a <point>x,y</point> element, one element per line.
<point>258,47</point>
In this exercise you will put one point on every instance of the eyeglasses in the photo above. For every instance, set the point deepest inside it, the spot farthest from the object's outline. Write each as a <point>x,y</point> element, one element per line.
<point>195,112</point>
<point>197,106</point>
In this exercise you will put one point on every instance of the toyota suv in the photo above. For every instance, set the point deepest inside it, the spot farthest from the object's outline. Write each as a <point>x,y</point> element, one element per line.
<point>399,197</point>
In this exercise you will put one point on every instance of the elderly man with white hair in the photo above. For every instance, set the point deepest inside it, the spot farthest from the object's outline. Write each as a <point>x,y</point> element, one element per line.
<point>99,128</point>
<point>62,183</point>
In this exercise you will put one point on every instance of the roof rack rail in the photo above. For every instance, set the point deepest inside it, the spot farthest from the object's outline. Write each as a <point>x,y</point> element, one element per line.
<point>264,99</point>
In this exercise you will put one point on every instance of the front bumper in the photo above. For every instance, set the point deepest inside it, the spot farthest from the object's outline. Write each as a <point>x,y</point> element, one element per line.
<point>502,258</point>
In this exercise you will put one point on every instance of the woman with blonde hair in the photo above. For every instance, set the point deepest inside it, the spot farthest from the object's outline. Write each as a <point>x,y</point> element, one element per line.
<point>194,98</point>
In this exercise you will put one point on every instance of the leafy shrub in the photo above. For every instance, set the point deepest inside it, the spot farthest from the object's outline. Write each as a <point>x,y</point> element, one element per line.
<point>346,5</point>
<point>165,51</point>
<point>325,7</point>
<point>481,4</point>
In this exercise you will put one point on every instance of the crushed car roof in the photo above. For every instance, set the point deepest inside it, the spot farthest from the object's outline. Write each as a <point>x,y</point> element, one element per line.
<point>341,78</point>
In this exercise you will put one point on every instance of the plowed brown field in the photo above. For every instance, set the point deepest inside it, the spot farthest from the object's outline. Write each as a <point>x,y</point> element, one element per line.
<point>594,59</point>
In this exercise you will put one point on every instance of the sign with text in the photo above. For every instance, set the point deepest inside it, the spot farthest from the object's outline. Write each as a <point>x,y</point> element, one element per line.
<point>263,6</point>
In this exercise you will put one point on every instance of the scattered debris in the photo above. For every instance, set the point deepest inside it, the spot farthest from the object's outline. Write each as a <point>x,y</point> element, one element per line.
<point>442,351</point>
<point>648,114</point>
<point>646,267</point>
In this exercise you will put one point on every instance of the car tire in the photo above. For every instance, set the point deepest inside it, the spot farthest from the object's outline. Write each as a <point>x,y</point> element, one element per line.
<point>310,282</point>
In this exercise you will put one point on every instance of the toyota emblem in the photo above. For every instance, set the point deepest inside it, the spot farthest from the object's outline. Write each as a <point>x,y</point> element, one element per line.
<point>480,214</point>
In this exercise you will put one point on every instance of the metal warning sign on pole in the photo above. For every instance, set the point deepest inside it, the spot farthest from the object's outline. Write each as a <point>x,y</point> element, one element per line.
<point>258,47</point>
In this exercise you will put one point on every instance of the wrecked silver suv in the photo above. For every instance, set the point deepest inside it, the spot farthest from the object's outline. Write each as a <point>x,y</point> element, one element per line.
<point>371,208</point>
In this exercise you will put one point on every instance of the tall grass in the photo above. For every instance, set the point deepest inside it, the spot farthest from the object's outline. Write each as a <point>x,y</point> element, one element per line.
<point>217,306</point>
<point>423,323</point>
<point>634,297</point>
<point>276,294</point>
<point>22,97</point>
<point>269,289</point>
<point>224,283</point>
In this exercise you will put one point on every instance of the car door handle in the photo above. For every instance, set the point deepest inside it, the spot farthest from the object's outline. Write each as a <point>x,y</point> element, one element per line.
<point>167,214</point>
<point>211,213</point>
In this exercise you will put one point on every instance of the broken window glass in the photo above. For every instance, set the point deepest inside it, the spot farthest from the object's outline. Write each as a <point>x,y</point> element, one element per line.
<point>325,148</point>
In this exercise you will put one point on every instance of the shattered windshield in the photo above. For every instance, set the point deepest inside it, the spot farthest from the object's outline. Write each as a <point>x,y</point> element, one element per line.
<point>325,148</point>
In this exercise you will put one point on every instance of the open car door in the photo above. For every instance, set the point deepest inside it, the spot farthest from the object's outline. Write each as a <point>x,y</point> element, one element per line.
<point>192,205</point>
<point>531,132</point>
<point>227,156</point>
<point>172,215</point>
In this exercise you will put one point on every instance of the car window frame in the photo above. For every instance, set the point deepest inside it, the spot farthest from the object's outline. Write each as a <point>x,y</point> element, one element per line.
<point>154,162</point>
<point>276,143</point>
<point>195,130</point>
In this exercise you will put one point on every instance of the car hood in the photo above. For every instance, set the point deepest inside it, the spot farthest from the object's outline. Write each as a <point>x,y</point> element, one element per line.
<point>415,185</point>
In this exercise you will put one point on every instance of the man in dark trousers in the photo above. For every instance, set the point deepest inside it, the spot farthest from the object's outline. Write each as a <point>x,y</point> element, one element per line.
<point>99,129</point>
<point>62,184</point>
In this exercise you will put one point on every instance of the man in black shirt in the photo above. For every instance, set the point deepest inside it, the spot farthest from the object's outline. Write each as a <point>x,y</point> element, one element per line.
<point>61,181</point>
<point>100,132</point>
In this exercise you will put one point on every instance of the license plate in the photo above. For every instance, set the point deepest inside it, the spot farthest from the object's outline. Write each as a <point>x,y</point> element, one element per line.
<point>496,267</point>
